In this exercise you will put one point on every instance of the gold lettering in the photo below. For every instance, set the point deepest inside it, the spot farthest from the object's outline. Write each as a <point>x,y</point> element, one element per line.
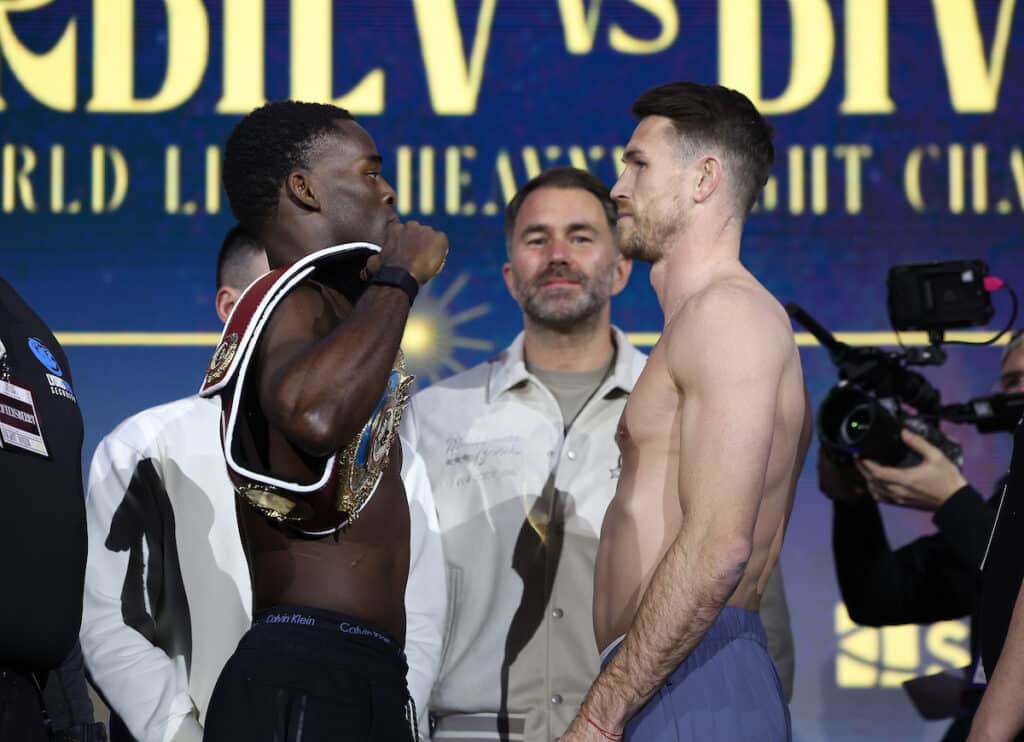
<point>668,17</point>
<point>956,178</point>
<point>312,62</point>
<point>531,160</point>
<point>946,642</point>
<point>506,178</point>
<point>213,180</point>
<point>426,180</point>
<point>244,51</point>
<point>912,175</point>
<point>578,158</point>
<point>188,49</point>
<point>57,179</point>
<point>979,178</point>
<point>16,179</point>
<point>867,58</point>
<point>403,180</point>
<point>455,179</point>
<point>901,654</point>
<point>579,26</point>
<point>48,77</point>
<point>819,179</point>
<point>796,180</point>
<point>769,199</point>
<point>1017,169</point>
<point>172,179</point>
<point>58,176</point>
<point>852,155</point>
<point>454,85</point>
<point>119,166</point>
<point>739,44</point>
<point>617,153</point>
<point>973,82</point>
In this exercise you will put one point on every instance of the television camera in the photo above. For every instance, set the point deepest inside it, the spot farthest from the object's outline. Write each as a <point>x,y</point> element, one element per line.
<point>878,393</point>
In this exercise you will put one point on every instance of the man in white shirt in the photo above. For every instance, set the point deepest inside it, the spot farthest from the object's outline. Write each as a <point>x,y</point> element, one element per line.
<point>168,592</point>
<point>523,463</point>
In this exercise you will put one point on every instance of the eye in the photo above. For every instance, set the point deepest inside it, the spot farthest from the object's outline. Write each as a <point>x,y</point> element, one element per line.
<point>580,239</point>
<point>535,241</point>
<point>374,174</point>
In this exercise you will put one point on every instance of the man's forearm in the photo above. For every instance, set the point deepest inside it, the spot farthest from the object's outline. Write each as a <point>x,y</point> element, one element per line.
<point>672,618</point>
<point>1001,714</point>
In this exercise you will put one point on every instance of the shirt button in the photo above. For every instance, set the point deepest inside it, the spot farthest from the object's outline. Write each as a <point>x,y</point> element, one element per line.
<point>556,699</point>
<point>571,455</point>
<point>557,613</point>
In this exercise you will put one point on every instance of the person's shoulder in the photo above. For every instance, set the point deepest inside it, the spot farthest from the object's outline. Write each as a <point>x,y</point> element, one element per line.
<point>149,428</point>
<point>737,305</point>
<point>732,325</point>
<point>471,381</point>
<point>308,298</point>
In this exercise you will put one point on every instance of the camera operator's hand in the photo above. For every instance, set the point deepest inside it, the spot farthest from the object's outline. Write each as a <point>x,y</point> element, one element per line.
<point>839,483</point>
<point>924,487</point>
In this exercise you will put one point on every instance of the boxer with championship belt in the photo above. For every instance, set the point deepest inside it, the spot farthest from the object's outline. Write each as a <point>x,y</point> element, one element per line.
<point>312,386</point>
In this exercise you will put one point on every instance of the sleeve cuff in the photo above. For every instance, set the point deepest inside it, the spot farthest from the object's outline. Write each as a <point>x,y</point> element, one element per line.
<point>961,504</point>
<point>964,520</point>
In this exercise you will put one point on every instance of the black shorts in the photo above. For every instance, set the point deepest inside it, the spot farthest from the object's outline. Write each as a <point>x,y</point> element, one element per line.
<point>306,674</point>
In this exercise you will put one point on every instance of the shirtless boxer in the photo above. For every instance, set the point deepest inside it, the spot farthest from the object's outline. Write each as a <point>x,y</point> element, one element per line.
<point>313,386</point>
<point>712,441</point>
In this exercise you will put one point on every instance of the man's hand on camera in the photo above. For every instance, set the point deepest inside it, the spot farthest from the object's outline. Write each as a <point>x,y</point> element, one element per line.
<point>839,483</point>
<point>925,486</point>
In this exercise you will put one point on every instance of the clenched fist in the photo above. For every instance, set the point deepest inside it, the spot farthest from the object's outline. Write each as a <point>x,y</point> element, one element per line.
<point>413,247</point>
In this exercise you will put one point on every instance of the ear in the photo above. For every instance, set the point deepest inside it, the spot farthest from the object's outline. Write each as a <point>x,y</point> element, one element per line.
<point>300,189</point>
<point>510,282</point>
<point>708,178</point>
<point>225,301</point>
<point>623,269</point>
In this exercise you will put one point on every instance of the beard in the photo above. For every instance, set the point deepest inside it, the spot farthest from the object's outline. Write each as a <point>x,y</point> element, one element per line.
<point>566,307</point>
<point>647,235</point>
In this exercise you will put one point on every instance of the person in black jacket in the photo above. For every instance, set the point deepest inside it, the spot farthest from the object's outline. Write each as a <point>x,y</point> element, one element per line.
<point>935,577</point>
<point>42,688</point>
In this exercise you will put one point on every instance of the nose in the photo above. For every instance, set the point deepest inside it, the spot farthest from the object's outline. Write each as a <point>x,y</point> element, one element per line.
<point>619,192</point>
<point>387,193</point>
<point>558,251</point>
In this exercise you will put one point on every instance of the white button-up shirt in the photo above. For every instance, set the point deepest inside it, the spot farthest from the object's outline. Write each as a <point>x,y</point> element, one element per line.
<point>520,503</point>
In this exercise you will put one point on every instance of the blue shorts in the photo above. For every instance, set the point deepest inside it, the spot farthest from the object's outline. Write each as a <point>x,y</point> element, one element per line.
<point>727,690</point>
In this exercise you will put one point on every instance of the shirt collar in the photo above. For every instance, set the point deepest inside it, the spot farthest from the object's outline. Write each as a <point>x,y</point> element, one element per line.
<point>508,368</point>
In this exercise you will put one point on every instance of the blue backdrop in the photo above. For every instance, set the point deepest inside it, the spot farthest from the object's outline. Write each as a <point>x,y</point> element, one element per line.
<point>898,140</point>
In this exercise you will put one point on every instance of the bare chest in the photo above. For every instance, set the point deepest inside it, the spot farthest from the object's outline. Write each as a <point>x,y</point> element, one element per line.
<point>650,420</point>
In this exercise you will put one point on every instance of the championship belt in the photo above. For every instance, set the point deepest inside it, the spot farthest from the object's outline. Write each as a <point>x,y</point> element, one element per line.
<point>362,463</point>
<point>348,478</point>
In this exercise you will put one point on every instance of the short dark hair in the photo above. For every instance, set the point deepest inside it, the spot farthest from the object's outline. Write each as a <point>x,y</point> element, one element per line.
<point>1016,341</point>
<point>233,266</point>
<point>716,115</point>
<point>567,178</point>
<point>264,147</point>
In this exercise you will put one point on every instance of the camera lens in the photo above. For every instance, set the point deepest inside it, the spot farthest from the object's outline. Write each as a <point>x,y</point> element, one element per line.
<point>856,426</point>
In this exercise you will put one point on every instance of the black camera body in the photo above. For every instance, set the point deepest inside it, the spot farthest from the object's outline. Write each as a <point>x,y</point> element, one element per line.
<point>938,296</point>
<point>853,421</point>
<point>877,394</point>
